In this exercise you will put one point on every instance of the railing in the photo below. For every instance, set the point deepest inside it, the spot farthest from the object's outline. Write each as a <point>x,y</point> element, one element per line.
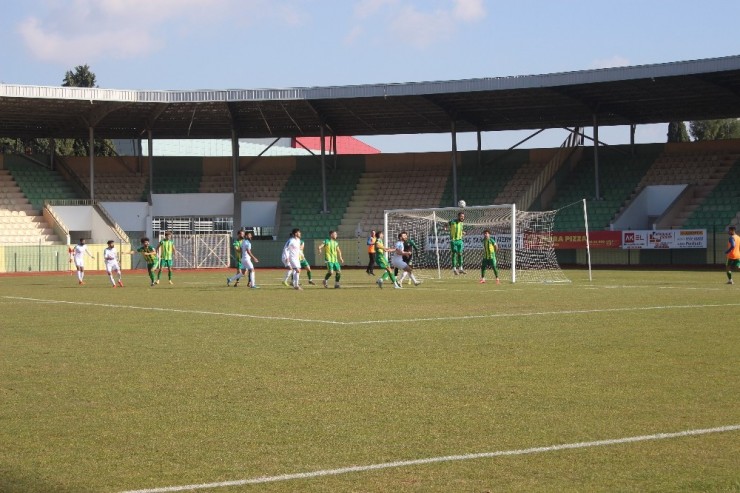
<point>99,208</point>
<point>60,229</point>
<point>70,174</point>
<point>535,188</point>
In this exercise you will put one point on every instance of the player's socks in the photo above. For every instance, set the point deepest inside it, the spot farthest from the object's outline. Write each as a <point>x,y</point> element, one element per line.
<point>404,276</point>
<point>120,283</point>
<point>414,279</point>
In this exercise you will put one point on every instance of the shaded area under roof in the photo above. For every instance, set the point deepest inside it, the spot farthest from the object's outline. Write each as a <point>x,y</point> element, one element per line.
<point>678,91</point>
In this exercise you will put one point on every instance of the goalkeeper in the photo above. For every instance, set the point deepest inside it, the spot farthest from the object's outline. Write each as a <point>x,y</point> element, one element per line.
<point>409,249</point>
<point>489,256</point>
<point>456,243</point>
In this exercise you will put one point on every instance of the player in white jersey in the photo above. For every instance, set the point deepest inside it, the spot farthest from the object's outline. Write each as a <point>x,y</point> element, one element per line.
<point>77,255</point>
<point>248,261</point>
<point>398,262</point>
<point>110,256</point>
<point>293,256</point>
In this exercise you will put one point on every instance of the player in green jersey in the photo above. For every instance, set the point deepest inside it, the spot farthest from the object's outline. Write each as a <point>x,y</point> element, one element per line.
<point>489,256</point>
<point>333,257</point>
<point>456,243</point>
<point>236,246</point>
<point>166,251</point>
<point>150,257</point>
<point>383,262</point>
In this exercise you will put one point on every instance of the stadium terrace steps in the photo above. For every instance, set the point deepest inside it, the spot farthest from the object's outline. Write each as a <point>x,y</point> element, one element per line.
<point>132,187</point>
<point>20,224</point>
<point>721,205</point>
<point>261,185</point>
<point>39,184</point>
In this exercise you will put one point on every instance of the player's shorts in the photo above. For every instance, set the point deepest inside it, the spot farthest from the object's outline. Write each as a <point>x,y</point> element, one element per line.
<point>239,264</point>
<point>165,263</point>
<point>294,263</point>
<point>456,246</point>
<point>489,262</point>
<point>733,262</point>
<point>247,263</point>
<point>80,263</point>
<point>152,265</point>
<point>398,262</point>
<point>112,267</point>
<point>333,266</point>
<point>304,264</point>
<point>381,261</point>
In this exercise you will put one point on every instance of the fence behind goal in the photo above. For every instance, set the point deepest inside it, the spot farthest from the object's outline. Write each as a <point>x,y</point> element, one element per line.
<point>531,258</point>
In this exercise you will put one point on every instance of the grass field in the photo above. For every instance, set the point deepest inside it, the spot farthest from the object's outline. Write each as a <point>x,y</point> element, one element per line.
<point>450,386</point>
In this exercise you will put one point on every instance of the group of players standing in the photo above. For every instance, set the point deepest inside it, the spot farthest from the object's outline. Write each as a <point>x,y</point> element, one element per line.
<point>156,259</point>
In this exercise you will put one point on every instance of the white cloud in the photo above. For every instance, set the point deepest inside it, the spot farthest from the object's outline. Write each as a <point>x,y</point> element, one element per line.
<point>469,10</point>
<point>614,61</point>
<point>417,23</point>
<point>85,30</point>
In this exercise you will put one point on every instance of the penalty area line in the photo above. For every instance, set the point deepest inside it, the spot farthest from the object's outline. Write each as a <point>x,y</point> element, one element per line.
<point>432,460</point>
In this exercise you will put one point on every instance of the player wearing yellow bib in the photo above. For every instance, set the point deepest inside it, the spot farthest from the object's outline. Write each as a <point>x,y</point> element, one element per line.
<point>456,243</point>
<point>489,256</point>
<point>333,257</point>
<point>383,262</point>
<point>150,257</point>
<point>166,251</point>
<point>236,245</point>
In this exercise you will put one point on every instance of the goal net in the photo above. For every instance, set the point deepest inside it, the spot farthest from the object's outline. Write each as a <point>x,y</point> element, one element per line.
<point>531,258</point>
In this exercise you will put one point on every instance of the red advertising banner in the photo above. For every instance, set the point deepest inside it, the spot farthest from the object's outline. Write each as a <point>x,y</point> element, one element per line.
<point>577,239</point>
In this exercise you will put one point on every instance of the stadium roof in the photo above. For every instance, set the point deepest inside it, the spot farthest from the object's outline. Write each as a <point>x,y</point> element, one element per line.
<point>677,91</point>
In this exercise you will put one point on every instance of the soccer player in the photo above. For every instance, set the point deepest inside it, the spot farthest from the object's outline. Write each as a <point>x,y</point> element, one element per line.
<point>399,259</point>
<point>371,253</point>
<point>382,262</point>
<point>456,243</point>
<point>409,248</point>
<point>150,257</point>
<point>333,257</point>
<point>78,255</point>
<point>304,264</point>
<point>166,251</point>
<point>733,253</point>
<point>110,256</point>
<point>237,246</point>
<point>489,256</point>
<point>247,263</point>
<point>293,257</point>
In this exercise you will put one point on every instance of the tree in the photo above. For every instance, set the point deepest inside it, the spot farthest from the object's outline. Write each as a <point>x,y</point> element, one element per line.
<point>728,128</point>
<point>677,132</point>
<point>81,77</point>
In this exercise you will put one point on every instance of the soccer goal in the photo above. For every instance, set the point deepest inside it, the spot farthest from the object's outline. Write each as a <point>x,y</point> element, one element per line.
<point>531,258</point>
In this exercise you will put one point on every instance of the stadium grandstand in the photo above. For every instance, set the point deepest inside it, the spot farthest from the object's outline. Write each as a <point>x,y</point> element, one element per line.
<point>210,162</point>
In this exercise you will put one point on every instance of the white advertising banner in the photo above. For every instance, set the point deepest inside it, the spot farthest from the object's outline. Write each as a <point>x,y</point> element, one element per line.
<point>664,239</point>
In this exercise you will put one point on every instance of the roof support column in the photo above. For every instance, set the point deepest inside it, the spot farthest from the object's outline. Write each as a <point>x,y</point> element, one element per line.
<point>323,169</point>
<point>237,220</point>
<point>479,147</point>
<point>53,149</point>
<point>633,128</point>
<point>150,146</point>
<point>597,192</point>
<point>453,130</point>
<point>91,152</point>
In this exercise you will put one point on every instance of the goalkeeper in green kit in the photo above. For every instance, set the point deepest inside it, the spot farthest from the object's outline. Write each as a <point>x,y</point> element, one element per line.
<point>489,256</point>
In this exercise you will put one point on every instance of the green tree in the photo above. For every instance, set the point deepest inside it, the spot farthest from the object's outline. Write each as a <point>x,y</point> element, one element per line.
<point>81,77</point>
<point>677,132</point>
<point>728,128</point>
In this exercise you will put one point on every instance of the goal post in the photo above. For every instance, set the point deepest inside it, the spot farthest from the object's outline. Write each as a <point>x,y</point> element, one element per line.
<point>525,246</point>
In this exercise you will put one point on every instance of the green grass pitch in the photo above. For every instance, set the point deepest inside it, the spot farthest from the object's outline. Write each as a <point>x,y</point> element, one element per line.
<point>200,385</point>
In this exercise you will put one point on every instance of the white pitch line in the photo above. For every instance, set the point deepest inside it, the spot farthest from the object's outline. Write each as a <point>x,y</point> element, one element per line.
<point>173,310</point>
<point>432,460</point>
<point>383,321</point>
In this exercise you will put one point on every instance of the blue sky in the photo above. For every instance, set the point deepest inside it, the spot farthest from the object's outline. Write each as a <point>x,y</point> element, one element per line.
<point>222,44</point>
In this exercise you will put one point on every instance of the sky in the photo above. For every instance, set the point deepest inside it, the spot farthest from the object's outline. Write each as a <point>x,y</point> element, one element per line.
<point>250,44</point>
